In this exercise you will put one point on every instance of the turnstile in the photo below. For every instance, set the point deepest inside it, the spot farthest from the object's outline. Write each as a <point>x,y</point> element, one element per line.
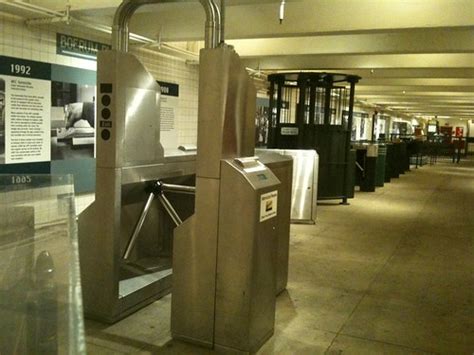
<point>130,158</point>
<point>366,166</point>
<point>224,255</point>
<point>380,165</point>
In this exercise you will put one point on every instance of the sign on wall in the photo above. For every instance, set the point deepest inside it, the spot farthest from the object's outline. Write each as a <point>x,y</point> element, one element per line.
<point>47,120</point>
<point>24,106</point>
<point>168,114</point>
<point>78,47</point>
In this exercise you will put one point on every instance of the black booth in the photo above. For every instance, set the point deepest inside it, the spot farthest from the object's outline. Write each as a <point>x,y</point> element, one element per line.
<point>312,110</point>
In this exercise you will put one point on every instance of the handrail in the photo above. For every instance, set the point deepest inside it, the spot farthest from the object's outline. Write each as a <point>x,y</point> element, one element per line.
<point>120,32</point>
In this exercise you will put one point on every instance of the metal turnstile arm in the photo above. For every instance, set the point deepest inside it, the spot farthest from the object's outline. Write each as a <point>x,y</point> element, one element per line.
<point>157,190</point>
<point>138,226</point>
<point>169,208</point>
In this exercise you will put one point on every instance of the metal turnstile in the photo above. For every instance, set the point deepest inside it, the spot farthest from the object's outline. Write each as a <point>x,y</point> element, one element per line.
<point>366,166</point>
<point>130,158</point>
<point>224,255</point>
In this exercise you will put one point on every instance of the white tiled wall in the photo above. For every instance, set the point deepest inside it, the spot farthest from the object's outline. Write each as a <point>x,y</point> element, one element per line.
<point>176,71</point>
<point>39,44</point>
<point>35,43</point>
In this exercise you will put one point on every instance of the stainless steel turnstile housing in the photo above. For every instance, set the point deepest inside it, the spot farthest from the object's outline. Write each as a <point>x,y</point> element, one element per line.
<point>282,167</point>
<point>129,158</point>
<point>224,255</point>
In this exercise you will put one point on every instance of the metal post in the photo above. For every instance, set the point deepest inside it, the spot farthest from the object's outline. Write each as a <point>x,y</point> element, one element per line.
<point>169,208</point>
<point>183,189</point>
<point>312,102</point>
<point>327,103</point>
<point>301,111</point>
<point>278,113</point>
<point>348,141</point>
<point>213,27</point>
<point>138,226</point>
<point>271,117</point>
<point>374,119</point>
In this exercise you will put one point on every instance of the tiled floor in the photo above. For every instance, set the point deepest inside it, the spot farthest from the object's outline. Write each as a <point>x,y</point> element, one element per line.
<point>393,273</point>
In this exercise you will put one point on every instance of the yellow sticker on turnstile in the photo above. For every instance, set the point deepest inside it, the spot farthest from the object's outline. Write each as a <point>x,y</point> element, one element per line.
<point>268,205</point>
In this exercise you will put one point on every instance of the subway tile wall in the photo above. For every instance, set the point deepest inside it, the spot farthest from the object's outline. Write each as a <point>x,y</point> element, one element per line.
<point>38,43</point>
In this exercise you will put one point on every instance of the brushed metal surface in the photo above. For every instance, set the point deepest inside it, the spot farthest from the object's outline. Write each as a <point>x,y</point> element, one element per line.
<point>142,125</point>
<point>246,267</point>
<point>305,183</point>
<point>223,298</point>
<point>226,115</point>
<point>282,167</point>
<point>126,163</point>
<point>132,85</point>
<point>194,268</point>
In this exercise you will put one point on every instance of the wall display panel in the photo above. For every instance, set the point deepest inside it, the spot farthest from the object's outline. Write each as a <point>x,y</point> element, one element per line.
<point>48,115</point>
<point>24,105</point>
<point>168,114</point>
<point>47,120</point>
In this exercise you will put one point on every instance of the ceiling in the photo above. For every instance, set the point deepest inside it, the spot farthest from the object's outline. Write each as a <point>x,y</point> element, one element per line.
<point>415,57</point>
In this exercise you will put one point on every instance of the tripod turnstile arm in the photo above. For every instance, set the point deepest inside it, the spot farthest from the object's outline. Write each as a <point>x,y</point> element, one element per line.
<point>169,208</point>
<point>157,190</point>
<point>138,226</point>
<point>184,189</point>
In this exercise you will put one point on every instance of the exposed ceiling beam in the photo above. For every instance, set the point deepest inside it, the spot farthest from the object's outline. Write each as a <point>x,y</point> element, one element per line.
<point>450,60</point>
<point>416,41</point>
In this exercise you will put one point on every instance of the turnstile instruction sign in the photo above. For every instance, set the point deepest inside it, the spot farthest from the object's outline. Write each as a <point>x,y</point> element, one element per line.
<point>268,205</point>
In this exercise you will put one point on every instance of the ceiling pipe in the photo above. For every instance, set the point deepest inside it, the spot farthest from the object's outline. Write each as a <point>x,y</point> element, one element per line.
<point>120,31</point>
<point>222,27</point>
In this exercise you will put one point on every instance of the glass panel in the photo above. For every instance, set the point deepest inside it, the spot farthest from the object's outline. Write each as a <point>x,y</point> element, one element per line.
<point>40,293</point>
<point>289,105</point>
<point>319,106</point>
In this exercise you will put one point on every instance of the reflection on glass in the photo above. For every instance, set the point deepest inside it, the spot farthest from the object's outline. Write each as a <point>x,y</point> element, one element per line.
<point>40,294</point>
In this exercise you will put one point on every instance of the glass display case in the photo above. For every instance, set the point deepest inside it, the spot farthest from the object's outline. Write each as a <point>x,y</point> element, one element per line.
<point>40,290</point>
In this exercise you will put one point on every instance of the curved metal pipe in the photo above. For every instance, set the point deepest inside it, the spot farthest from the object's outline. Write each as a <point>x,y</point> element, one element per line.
<point>127,8</point>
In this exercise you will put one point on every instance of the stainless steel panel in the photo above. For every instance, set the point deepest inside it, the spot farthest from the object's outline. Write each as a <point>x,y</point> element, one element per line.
<point>215,302</point>
<point>282,167</point>
<point>130,159</point>
<point>130,81</point>
<point>98,249</point>
<point>245,285</point>
<point>142,125</point>
<point>227,102</point>
<point>305,183</point>
<point>194,268</point>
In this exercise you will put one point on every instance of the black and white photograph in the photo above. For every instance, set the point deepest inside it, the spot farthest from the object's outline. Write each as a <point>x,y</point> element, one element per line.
<point>72,121</point>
